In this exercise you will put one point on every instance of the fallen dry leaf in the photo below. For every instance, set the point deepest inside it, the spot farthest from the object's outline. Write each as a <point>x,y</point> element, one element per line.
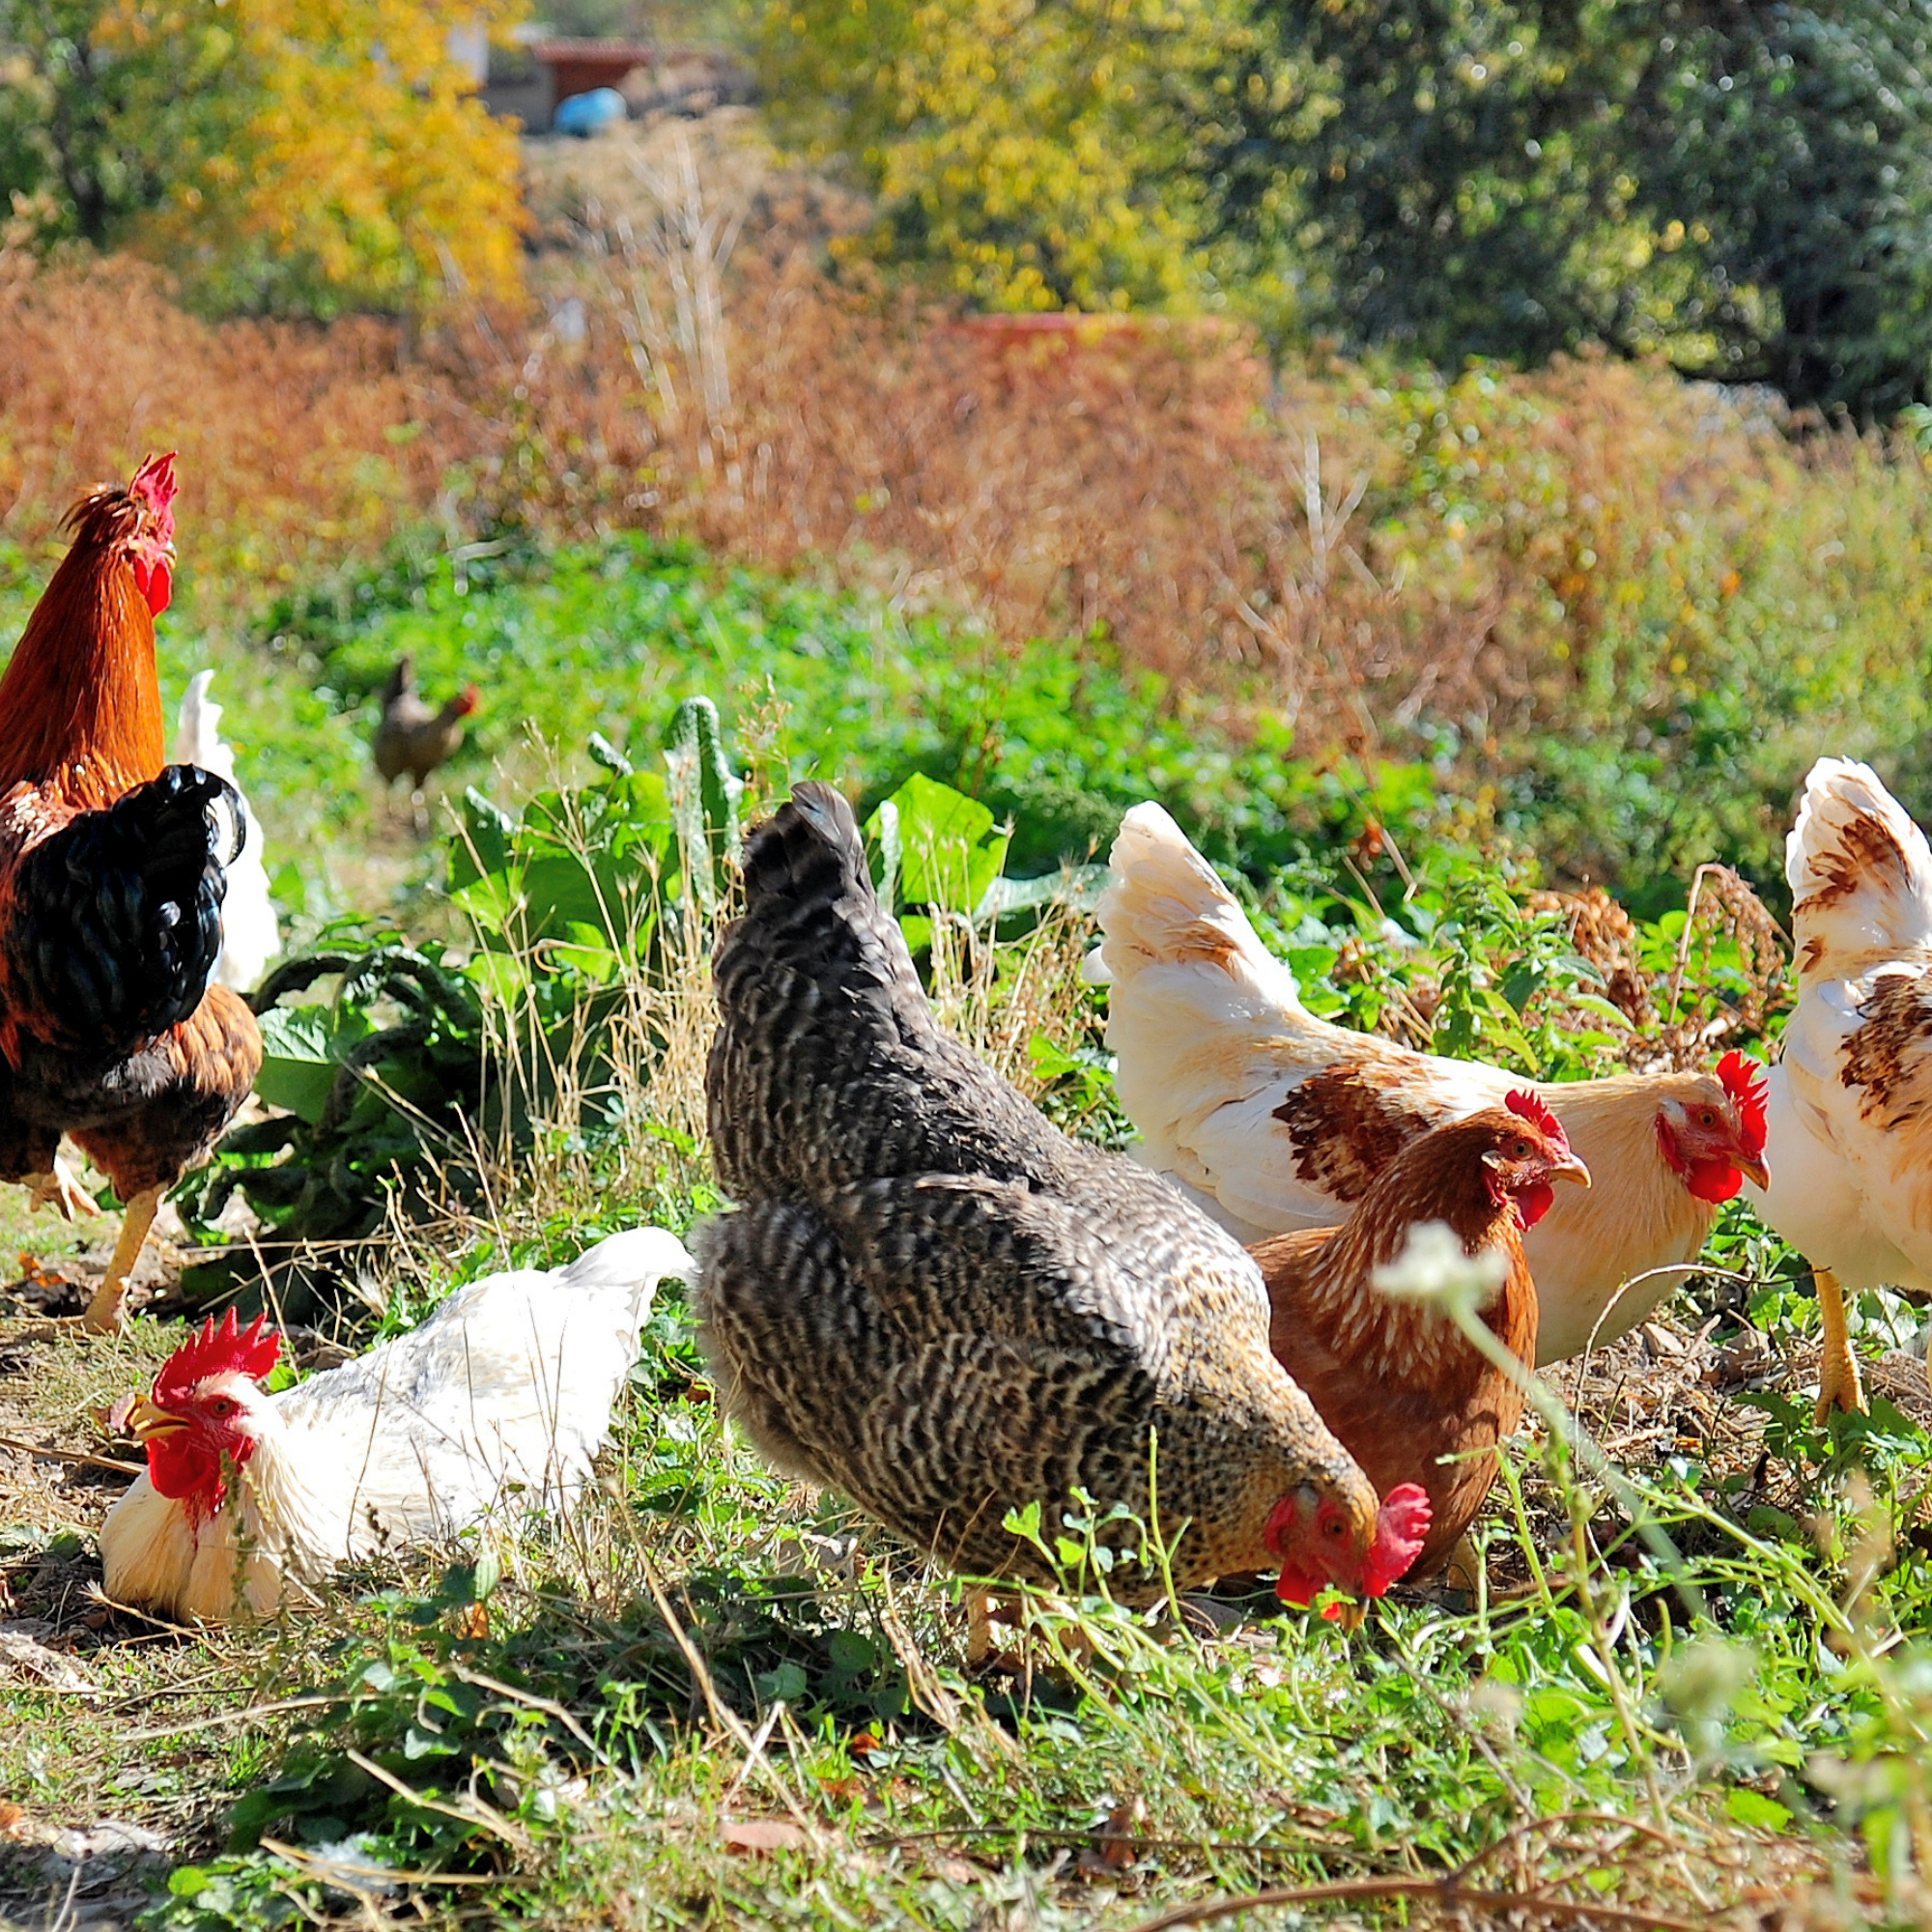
<point>762,1835</point>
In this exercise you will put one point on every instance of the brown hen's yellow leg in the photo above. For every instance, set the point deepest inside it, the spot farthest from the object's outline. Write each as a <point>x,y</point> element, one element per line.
<point>1464,1569</point>
<point>1838,1383</point>
<point>104,1315</point>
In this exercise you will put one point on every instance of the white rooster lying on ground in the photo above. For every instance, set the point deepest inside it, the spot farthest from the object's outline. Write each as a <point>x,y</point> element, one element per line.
<point>250,935</point>
<point>495,1405</point>
<point>1851,1094</point>
<point>1274,1119</point>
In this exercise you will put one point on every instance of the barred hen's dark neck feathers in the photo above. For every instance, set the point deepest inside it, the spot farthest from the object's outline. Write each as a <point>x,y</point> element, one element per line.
<point>80,701</point>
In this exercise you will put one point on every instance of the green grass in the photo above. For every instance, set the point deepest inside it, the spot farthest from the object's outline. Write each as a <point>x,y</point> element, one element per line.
<point>1696,1667</point>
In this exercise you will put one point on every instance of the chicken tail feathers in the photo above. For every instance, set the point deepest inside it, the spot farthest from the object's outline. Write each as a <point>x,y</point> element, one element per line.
<point>812,915</point>
<point>1165,906</point>
<point>1859,871</point>
<point>118,915</point>
<point>640,1257</point>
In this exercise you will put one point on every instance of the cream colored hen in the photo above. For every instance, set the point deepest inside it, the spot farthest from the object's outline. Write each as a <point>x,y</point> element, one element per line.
<point>1275,1120</point>
<point>1851,1094</point>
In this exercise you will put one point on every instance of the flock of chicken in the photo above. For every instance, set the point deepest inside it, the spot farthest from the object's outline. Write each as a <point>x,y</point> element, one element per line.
<point>926,1295</point>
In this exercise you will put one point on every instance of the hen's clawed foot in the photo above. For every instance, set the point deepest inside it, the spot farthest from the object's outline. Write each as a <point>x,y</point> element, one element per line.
<point>60,1190</point>
<point>1840,1383</point>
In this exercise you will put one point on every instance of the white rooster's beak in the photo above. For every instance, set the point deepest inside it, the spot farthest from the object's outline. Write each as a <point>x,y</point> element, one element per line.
<point>149,1419</point>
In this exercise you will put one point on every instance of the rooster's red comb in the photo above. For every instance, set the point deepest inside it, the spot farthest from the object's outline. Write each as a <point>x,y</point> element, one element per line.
<point>1526,1106</point>
<point>1744,1082</point>
<point>227,1349</point>
<point>154,485</point>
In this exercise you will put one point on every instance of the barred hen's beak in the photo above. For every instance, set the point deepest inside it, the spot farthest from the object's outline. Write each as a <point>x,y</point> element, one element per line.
<point>1570,1168</point>
<point>149,1419</point>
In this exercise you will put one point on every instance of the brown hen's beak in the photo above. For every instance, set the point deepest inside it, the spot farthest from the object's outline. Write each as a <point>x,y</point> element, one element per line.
<point>1570,1168</point>
<point>1754,1168</point>
<point>149,1419</point>
<point>1351,1615</point>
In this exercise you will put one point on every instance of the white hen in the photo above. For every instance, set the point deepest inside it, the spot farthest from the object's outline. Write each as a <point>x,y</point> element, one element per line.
<point>1851,1094</point>
<point>250,934</point>
<point>495,1407</point>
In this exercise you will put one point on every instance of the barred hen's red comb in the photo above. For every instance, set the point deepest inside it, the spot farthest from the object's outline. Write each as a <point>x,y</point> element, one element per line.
<point>154,485</point>
<point>1526,1106</point>
<point>1744,1082</point>
<point>228,1350</point>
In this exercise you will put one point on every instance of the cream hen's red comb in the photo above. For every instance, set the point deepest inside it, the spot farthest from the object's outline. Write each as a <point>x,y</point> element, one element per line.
<point>1743,1080</point>
<point>1526,1106</point>
<point>229,1350</point>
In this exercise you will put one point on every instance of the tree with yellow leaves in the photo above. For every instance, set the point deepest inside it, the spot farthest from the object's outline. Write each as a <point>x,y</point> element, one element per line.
<point>295,154</point>
<point>1035,154</point>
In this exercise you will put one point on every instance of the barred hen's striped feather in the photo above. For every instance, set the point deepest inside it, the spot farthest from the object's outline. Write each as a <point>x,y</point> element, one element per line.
<point>931,1298</point>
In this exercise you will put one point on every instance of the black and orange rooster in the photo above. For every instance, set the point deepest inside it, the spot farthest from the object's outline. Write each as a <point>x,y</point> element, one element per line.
<point>111,881</point>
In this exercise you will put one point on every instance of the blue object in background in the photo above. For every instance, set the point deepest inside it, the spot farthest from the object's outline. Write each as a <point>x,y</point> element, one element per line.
<point>585,114</point>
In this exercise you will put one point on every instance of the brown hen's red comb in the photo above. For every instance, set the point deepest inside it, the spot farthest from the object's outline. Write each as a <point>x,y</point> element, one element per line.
<point>1744,1082</point>
<point>219,1351</point>
<point>1527,1106</point>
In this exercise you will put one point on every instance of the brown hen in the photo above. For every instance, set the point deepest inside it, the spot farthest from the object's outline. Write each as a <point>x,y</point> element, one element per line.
<point>1398,1383</point>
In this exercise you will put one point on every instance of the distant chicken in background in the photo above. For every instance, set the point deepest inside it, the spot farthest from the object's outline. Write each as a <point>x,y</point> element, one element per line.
<point>112,871</point>
<point>1851,1090</point>
<point>250,933</point>
<point>1396,1381</point>
<point>931,1298</point>
<point>413,738</point>
<point>493,1409</point>
<point>1275,1120</point>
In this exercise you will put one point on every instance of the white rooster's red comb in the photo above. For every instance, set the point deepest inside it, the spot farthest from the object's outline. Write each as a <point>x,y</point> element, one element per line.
<point>1743,1080</point>
<point>228,1350</point>
<point>1529,1107</point>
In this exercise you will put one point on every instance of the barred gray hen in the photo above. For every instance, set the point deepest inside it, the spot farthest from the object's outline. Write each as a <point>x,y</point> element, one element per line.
<point>932,1299</point>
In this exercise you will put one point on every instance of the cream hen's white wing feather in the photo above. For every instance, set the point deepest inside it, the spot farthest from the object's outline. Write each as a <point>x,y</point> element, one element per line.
<point>252,935</point>
<point>1850,1140</point>
<point>501,1398</point>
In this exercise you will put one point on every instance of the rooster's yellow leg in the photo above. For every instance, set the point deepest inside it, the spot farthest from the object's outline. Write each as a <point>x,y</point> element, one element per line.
<point>104,1315</point>
<point>1838,1383</point>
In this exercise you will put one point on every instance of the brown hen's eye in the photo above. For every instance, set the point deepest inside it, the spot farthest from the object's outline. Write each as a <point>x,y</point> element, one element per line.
<point>1334,1528</point>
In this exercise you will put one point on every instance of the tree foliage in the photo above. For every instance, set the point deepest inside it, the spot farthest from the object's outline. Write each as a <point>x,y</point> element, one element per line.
<point>1747,189</point>
<point>1033,155</point>
<point>295,155</point>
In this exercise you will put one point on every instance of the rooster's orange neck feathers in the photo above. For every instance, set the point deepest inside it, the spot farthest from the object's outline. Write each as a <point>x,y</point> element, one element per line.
<point>80,703</point>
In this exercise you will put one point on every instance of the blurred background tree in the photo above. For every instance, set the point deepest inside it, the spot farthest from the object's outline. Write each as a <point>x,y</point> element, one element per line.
<point>286,155</point>
<point>1746,189</point>
<point>1033,158</point>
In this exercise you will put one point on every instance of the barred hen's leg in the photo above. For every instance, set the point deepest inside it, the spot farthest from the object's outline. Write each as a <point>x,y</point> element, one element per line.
<point>1838,1383</point>
<point>104,1315</point>
<point>60,1190</point>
